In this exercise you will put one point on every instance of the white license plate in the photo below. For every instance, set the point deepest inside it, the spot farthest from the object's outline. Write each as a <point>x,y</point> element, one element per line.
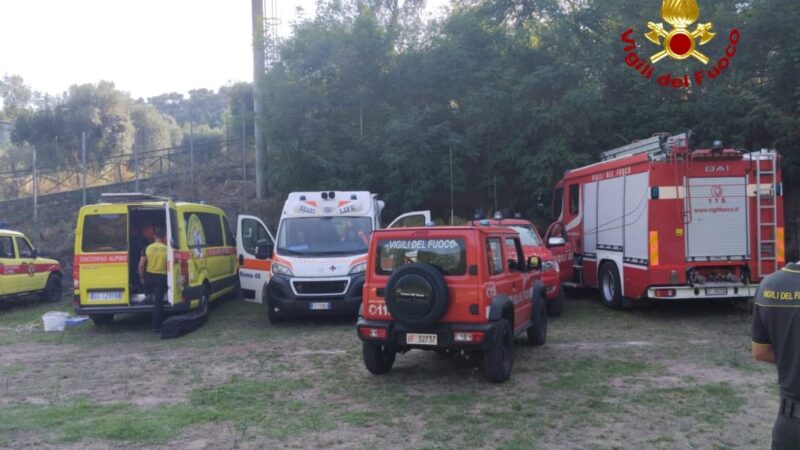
<point>421,339</point>
<point>319,306</point>
<point>717,291</point>
<point>105,295</point>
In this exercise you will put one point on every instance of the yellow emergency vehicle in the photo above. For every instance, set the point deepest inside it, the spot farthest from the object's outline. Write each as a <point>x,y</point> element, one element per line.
<point>111,235</point>
<point>23,272</point>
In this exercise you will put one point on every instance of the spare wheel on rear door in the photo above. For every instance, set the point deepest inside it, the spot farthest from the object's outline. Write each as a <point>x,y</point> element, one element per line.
<point>417,295</point>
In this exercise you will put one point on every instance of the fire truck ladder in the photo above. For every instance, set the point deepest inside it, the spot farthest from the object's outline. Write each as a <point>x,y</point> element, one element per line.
<point>767,201</point>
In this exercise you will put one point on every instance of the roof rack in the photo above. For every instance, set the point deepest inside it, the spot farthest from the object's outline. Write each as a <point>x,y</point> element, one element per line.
<point>123,197</point>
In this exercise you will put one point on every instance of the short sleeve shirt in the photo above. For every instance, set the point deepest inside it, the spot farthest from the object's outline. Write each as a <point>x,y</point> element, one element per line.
<point>156,254</point>
<point>776,322</point>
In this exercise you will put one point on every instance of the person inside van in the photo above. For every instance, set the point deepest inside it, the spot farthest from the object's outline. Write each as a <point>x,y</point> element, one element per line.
<point>153,274</point>
<point>137,245</point>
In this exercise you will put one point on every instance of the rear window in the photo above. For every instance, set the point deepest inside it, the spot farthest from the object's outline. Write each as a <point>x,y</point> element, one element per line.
<point>105,233</point>
<point>449,255</point>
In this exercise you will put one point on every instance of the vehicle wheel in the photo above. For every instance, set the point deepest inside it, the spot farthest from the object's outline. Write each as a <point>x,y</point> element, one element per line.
<point>499,360</point>
<point>417,295</point>
<point>537,333</point>
<point>556,306</point>
<point>274,316</point>
<point>52,290</point>
<point>101,319</point>
<point>610,288</point>
<point>205,298</point>
<point>378,358</point>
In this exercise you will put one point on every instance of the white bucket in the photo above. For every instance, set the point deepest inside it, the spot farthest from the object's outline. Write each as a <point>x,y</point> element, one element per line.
<point>55,320</point>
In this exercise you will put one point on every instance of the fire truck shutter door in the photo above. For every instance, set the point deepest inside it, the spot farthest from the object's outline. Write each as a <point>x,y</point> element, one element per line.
<point>719,228</point>
<point>590,218</point>
<point>609,214</point>
<point>636,203</point>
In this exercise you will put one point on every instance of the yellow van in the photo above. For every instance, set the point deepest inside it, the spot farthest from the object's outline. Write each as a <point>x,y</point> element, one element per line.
<point>111,235</point>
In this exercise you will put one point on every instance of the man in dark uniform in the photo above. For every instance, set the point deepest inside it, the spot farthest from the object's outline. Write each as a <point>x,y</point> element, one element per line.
<point>776,340</point>
<point>153,273</point>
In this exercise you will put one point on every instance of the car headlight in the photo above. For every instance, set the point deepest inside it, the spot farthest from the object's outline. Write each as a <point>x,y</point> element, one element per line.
<point>280,269</point>
<point>548,265</point>
<point>359,268</point>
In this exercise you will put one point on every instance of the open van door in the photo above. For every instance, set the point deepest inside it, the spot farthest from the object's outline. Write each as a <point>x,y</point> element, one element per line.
<point>175,280</point>
<point>411,219</point>
<point>254,245</point>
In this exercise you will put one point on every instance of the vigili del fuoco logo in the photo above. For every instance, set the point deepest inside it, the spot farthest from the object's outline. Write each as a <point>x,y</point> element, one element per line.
<point>679,41</point>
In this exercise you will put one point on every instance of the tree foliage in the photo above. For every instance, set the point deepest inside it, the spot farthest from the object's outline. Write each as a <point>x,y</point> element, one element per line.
<point>519,90</point>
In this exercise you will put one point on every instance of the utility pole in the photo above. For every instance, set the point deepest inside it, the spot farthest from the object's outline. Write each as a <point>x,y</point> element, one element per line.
<point>136,161</point>
<point>244,162</point>
<point>83,164</point>
<point>259,66</point>
<point>452,209</point>
<point>35,196</point>
<point>191,158</point>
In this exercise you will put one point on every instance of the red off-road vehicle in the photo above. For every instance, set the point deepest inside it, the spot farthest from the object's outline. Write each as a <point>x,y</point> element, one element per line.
<point>450,289</point>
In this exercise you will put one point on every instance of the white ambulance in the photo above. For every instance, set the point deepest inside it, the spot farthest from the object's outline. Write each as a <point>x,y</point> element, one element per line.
<point>316,264</point>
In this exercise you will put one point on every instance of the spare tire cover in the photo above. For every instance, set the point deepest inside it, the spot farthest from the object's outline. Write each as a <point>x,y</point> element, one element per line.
<point>416,295</point>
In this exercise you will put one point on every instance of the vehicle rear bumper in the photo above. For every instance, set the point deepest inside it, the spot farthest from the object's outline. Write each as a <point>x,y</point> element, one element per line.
<point>742,291</point>
<point>396,334</point>
<point>128,309</point>
<point>280,295</point>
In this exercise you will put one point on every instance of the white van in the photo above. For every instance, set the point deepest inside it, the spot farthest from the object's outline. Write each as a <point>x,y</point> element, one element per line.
<point>320,253</point>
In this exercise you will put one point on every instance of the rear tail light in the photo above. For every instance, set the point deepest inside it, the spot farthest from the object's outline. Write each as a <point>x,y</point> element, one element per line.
<point>662,293</point>
<point>184,271</point>
<point>76,271</point>
<point>475,337</point>
<point>373,332</point>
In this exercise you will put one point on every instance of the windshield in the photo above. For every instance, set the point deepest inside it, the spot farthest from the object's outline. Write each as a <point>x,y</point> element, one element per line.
<point>527,236</point>
<point>324,236</point>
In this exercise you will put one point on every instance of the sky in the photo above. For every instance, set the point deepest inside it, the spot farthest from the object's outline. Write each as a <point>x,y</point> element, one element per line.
<point>146,47</point>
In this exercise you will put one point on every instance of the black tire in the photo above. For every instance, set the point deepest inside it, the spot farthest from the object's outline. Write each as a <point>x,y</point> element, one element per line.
<point>101,319</point>
<point>556,306</point>
<point>537,332</point>
<point>378,358</point>
<point>610,287</point>
<point>52,290</point>
<point>417,295</point>
<point>205,299</point>
<point>272,315</point>
<point>499,360</point>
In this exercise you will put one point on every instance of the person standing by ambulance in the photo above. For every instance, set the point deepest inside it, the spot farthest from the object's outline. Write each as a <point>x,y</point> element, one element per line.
<point>776,340</point>
<point>153,274</point>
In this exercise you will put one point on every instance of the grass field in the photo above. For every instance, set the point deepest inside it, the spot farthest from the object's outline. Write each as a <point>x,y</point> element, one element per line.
<point>666,377</point>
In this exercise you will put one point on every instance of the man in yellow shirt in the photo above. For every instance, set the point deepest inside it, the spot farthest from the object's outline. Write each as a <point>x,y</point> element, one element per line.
<point>153,274</point>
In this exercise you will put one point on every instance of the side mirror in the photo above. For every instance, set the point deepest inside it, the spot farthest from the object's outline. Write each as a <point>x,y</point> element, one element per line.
<point>534,263</point>
<point>512,265</point>
<point>264,249</point>
<point>35,253</point>
<point>556,241</point>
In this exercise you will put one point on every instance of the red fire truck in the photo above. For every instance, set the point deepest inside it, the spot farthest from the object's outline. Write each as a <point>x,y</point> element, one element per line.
<point>656,219</point>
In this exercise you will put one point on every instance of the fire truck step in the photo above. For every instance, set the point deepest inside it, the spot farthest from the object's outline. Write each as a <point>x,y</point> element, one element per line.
<point>571,285</point>
<point>767,258</point>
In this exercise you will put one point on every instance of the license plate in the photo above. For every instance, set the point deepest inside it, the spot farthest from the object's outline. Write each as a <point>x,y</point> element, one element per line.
<point>105,295</point>
<point>717,291</point>
<point>421,339</point>
<point>319,306</point>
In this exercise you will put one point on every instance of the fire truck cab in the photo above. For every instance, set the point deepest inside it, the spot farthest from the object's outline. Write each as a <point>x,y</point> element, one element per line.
<point>656,219</point>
